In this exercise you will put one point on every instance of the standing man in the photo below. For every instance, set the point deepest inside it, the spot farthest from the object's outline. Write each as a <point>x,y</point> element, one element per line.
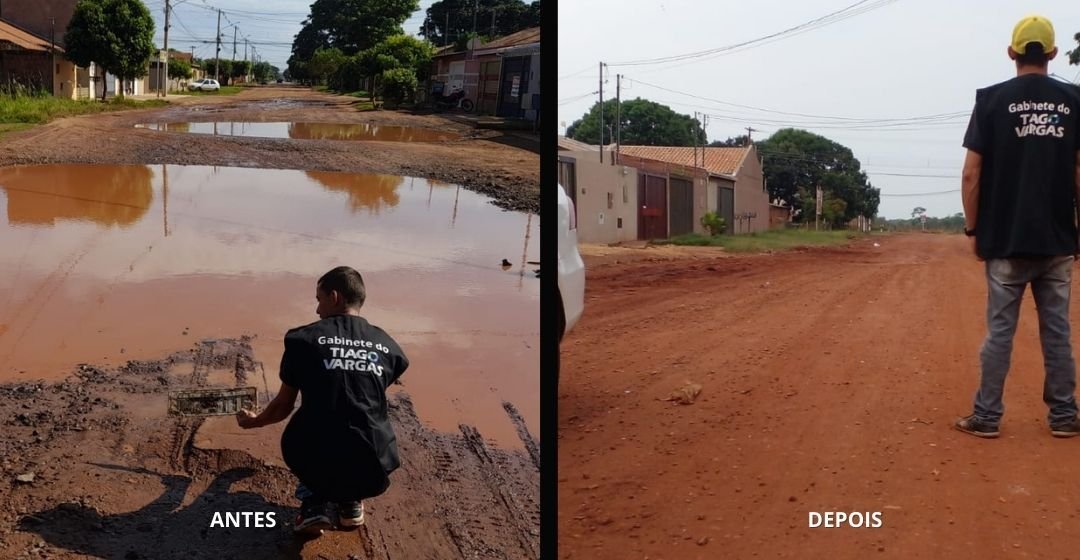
<point>1021,183</point>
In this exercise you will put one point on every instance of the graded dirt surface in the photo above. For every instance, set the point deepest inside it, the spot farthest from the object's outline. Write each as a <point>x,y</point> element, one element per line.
<point>830,379</point>
<point>114,477</point>
<point>480,160</point>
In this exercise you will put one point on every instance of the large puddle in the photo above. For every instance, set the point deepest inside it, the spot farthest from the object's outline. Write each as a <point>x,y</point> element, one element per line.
<point>103,264</point>
<point>309,131</point>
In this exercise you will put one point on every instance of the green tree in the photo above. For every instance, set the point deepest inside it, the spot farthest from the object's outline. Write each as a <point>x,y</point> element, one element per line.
<point>732,142</point>
<point>239,68</point>
<point>211,67</point>
<point>399,52</point>
<point>509,16</point>
<point>353,25</point>
<point>118,35</point>
<point>399,84</point>
<point>797,161</point>
<point>325,63</point>
<point>265,72</point>
<point>644,123</point>
<point>179,69</point>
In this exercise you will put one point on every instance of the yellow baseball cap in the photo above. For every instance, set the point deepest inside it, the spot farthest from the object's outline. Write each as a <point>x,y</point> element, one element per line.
<point>1033,29</point>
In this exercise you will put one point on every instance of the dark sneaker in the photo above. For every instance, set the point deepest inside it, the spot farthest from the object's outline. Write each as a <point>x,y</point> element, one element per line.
<point>350,514</point>
<point>1068,429</point>
<point>312,520</point>
<point>974,426</point>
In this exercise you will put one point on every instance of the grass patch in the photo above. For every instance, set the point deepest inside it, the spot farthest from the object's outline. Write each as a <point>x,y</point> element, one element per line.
<point>772,240</point>
<point>39,110</point>
<point>5,128</point>
<point>225,90</point>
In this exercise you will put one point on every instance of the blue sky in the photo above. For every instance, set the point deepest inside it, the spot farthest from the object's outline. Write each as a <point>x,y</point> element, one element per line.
<point>902,59</point>
<point>269,24</point>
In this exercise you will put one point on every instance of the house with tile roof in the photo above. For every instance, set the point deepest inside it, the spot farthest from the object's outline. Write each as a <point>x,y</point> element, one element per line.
<point>33,61</point>
<point>677,186</point>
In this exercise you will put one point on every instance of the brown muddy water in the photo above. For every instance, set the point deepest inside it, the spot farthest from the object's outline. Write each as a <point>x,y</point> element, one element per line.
<point>309,131</point>
<point>105,264</point>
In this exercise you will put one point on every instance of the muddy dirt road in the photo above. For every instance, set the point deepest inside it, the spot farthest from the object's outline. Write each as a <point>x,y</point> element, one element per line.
<point>113,477</point>
<point>484,161</point>
<point>139,276</point>
<point>830,378</point>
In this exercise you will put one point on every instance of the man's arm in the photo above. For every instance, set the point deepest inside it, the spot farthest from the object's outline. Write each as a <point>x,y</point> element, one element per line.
<point>279,409</point>
<point>970,188</point>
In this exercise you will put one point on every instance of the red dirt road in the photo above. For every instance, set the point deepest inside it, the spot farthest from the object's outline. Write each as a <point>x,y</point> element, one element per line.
<point>830,380</point>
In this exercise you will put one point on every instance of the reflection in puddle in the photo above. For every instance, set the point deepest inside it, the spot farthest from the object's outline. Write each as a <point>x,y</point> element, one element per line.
<point>309,131</point>
<point>111,263</point>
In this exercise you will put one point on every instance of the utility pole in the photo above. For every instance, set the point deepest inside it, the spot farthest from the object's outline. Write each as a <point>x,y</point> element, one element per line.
<point>217,55</point>
<point>251,68</point>
<point>601,112</point>
<point>234,42</point>
<point>693,134</point>
<point>446,30</point>
<point>165,71</point>
<point>493,10</point>
<point>749,132</point>
<point>475,11</point>
<point>618,115</point>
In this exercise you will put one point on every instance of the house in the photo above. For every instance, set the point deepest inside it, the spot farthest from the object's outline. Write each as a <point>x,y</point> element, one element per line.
<point>46,21</point>
<point>516,93</point>
<point>34,62</point>
<point>501,77</point>
<point>605,195</point>
<point>677,186</point>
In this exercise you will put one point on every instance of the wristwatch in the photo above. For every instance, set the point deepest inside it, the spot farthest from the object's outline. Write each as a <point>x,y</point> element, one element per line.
<point>969,232</point>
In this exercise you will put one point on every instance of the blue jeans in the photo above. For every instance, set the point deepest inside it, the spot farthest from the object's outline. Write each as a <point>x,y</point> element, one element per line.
<point>1051,281</point>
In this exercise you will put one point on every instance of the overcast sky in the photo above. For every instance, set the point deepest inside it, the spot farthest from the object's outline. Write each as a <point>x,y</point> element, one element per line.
<point>899,59</point>
<point>269,24</point>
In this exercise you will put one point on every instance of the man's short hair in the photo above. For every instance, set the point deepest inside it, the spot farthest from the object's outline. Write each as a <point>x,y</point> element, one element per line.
<point>348,282</point>
<point>1033,55</point>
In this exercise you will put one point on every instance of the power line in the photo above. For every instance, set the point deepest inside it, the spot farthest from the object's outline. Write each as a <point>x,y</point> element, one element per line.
<point>905,195</point>
<point>853,120</point>
<point>577,97</point>
<point>853,10</point>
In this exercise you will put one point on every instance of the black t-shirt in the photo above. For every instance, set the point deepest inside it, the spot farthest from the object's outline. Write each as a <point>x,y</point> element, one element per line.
<point>1027,130</point>
<point>342,366</point>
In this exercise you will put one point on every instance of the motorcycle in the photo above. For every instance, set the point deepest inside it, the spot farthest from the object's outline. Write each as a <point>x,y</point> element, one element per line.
<point>454,100</point>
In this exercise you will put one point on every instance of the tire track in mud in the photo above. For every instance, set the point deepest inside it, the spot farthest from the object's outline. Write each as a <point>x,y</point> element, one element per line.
<point>48,286</point>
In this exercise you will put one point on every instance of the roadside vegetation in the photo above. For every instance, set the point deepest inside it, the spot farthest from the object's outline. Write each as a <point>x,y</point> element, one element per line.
<point>225,90</point>
<point>771,240</point>
<point>28,110</point>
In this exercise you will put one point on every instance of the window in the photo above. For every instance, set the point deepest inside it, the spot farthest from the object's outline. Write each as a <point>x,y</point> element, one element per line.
<point>568,179</point>
<point>610,200</point>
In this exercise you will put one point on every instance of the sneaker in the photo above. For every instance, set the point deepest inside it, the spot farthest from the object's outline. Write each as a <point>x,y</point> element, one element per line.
<point>350,514</point>
<point>1068,429</point>
<point>312,519</point>
<point>974,426</point>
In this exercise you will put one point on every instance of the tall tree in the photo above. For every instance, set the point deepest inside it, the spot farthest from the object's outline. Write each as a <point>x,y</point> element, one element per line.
<point>509,16</point>
<point>118,35</point>
<point>644,123</point>
<point>798,159</point>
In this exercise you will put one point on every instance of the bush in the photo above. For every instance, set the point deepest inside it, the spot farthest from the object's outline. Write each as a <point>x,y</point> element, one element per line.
<point>399,84</point>
<point>714,224</point>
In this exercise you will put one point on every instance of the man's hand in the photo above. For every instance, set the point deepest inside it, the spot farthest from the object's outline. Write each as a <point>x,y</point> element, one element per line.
<point>974,248</point>
<point>246,419</point>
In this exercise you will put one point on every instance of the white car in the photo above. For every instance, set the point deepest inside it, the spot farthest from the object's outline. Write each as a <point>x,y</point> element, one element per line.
<point>571,268</point>
<point>204,85</point>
